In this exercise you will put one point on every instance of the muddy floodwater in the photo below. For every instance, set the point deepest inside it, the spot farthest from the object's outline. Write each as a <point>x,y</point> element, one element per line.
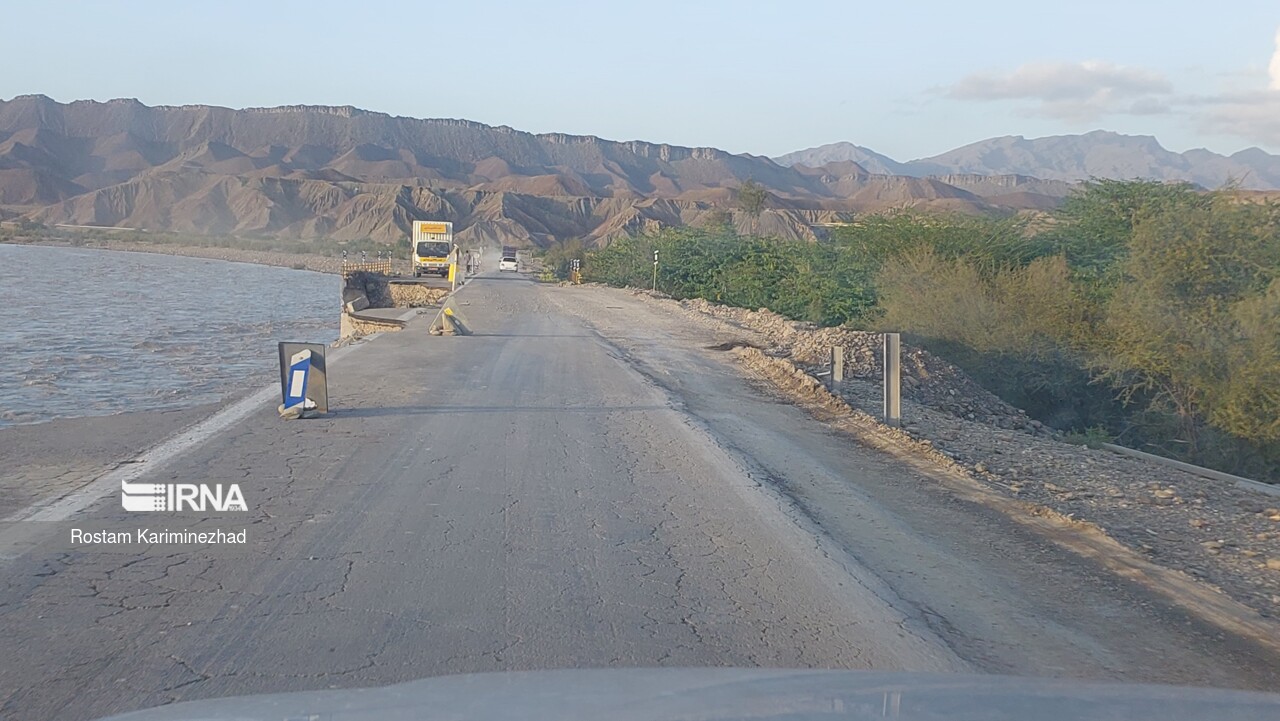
<point>95,332</point>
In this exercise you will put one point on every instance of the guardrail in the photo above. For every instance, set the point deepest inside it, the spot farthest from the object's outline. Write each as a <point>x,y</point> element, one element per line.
<point>1270,489</point>
<point>366,266</point>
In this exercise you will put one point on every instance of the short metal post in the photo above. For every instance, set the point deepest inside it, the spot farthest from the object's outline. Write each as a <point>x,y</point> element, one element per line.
<point>837,365</point>
<point>892,380</point>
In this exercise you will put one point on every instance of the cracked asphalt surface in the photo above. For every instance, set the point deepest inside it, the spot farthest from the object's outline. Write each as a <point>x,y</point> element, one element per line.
<point>579,484</point>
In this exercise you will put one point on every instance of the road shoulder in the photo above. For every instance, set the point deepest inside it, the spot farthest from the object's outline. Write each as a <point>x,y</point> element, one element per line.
<point>1075,584</point>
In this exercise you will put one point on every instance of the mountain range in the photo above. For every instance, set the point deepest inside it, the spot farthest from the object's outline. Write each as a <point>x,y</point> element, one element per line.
<point>1070,158</point>
<point>345,173</point>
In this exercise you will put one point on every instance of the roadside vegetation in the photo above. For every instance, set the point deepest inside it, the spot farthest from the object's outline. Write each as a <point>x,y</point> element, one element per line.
<point>1141,312</point>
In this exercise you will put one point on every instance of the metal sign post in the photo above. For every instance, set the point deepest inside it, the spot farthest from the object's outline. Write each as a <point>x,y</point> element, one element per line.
<point>892,380</point>
<point>655,270</point>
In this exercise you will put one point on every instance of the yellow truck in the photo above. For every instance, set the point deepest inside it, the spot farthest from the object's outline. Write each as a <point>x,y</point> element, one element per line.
<point>432,244</point>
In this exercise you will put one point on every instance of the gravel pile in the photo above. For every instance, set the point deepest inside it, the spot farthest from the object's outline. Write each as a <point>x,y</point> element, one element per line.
<point>926,379</point>
<point>1209,529</point>
<point>412,295</point>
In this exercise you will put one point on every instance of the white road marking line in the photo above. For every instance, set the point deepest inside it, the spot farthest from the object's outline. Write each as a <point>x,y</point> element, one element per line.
<point>21,531</point>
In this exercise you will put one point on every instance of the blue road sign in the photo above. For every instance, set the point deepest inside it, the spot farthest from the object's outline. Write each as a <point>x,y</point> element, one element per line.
<point>299,369</point>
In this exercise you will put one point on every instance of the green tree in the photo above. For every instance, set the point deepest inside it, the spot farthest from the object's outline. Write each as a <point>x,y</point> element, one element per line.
<point>1016,329</point>
<point>1192,322</point>
<point>752,199</point>
<point>560,256</point>
<point>1094,225</point>
<point>1249,405</point>
<point>989,242</point>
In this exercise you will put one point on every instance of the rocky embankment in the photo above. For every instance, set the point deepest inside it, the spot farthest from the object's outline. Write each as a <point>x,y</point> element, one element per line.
<point>1212,531</point>
<point>926,379</point>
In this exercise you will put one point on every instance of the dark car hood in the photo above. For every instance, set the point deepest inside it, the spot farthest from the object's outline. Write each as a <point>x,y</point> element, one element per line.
<point>724,693</point>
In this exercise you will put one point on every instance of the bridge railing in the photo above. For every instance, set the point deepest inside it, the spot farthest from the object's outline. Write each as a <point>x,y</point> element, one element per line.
<point>366,266</point>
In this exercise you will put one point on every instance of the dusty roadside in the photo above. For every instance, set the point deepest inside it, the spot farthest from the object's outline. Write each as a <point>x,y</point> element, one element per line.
<point>1201,535</point>
<point>48,460</point>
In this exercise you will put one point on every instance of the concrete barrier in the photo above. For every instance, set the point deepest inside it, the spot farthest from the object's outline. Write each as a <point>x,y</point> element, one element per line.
<point>358,303</point>
<point>448,322</point>
<point>357,325</point>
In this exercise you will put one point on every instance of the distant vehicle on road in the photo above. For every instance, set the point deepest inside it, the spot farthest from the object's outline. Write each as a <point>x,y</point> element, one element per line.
<point>508,263</point>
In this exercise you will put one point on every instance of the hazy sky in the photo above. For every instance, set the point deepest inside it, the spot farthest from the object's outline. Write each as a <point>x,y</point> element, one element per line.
<point>909,79</point>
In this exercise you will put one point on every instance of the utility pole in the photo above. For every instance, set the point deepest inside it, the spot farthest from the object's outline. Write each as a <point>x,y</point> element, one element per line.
<point>655,271</point>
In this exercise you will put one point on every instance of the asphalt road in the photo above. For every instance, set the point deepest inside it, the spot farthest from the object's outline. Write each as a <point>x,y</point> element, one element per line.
<point>579,484</point>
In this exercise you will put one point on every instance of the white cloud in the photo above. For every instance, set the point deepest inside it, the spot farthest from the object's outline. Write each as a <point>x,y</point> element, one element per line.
<point>1061,81</point>
<point>1149,106</point>
<point>1253,116</point>
<point>1274,69</point>
<point>1079,92</point>
<point>1246,106</point>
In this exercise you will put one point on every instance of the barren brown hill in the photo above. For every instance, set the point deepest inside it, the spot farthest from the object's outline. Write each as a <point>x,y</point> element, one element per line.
<point>308,171</point>
<point>205,203</point>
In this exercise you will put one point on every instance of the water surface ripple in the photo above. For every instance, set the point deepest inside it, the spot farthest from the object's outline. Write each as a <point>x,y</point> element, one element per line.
<point>93,332</point>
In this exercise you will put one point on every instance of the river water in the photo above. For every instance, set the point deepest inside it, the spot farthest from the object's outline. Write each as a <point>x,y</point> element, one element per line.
<point>94,332</point>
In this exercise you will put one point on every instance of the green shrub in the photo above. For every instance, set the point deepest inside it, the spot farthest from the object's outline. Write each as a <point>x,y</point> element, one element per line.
<point>1093,437</point>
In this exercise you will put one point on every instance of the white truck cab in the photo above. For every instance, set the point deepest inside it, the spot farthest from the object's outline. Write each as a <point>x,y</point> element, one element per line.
<point>432,246</point>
